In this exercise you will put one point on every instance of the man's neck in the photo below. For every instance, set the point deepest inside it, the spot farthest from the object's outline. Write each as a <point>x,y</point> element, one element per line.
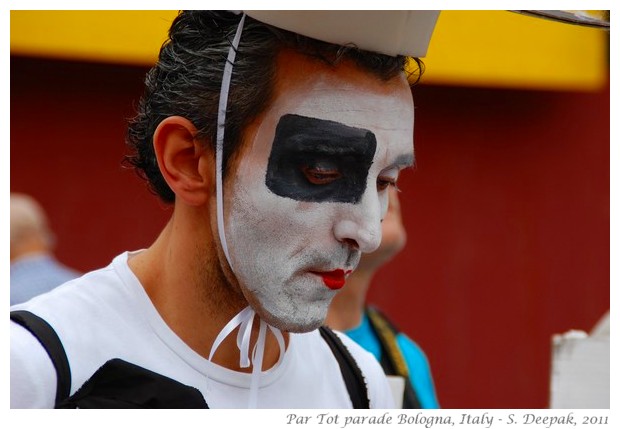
<point>188,288</point>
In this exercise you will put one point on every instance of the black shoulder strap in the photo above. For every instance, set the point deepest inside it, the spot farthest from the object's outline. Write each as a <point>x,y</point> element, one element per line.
<point>351,373</point>
<point>392,359</point>
<point>52,345</point>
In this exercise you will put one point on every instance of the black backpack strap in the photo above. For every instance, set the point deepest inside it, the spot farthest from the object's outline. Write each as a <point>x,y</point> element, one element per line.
<point>353,378</point>
<point>122,384</point>
<point>48,338</point>
<point>392,359</point>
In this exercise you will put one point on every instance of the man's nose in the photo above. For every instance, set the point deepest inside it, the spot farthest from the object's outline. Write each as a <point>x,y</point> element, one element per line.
<point>360,224</point>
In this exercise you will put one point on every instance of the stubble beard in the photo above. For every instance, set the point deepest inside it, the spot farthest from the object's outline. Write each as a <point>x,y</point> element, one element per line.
<point>219,288</point>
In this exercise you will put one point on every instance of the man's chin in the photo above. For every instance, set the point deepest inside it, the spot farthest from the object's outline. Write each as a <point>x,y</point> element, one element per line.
<point>294,323</point>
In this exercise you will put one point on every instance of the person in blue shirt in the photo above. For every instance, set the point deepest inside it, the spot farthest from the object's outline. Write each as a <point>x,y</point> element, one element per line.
<point>34,268</point>
<point>368,326</point>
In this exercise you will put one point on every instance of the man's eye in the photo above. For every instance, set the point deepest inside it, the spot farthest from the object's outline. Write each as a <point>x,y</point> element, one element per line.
<point>321,175</point>
<point>384,183</point>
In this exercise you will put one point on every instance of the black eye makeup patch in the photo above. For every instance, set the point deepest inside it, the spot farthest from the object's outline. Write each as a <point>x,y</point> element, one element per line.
<point>317,160</point>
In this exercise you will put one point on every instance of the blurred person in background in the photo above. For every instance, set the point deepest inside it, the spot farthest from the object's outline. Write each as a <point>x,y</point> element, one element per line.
<point>34,268</point>
<point>398,354</point>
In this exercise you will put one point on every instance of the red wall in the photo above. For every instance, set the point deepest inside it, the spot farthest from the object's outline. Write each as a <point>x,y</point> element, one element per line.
<point>507,212</point>
<point>67,142</point>
<point>508,220</point>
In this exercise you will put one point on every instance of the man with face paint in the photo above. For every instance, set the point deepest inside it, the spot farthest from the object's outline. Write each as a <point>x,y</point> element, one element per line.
<point>277,151</point>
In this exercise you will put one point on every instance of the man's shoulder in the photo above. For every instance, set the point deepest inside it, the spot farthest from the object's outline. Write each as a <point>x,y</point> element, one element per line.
<point>93,318</point>
<point>78,301</point>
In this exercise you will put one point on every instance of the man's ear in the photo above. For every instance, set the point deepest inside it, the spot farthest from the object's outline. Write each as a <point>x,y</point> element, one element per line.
<point>181,160</point>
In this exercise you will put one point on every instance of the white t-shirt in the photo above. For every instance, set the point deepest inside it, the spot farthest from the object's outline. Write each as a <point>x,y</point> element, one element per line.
<point>106,314</point>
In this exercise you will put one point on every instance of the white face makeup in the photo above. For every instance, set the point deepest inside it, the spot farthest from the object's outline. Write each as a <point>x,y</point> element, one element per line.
<point>312,187</point>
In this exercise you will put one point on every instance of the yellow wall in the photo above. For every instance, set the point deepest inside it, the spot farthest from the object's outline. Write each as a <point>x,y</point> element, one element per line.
<point>506,49</point>
<point>482,48</point>
<point>132,37</point>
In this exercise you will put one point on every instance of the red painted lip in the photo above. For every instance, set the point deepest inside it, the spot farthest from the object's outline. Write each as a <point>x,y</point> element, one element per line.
<point>333,279</point>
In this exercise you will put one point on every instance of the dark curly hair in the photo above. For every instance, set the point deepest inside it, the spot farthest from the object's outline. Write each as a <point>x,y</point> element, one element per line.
<point>187,77</point>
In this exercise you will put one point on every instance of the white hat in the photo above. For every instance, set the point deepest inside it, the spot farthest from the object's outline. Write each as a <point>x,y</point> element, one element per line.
<point>391,32</point>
